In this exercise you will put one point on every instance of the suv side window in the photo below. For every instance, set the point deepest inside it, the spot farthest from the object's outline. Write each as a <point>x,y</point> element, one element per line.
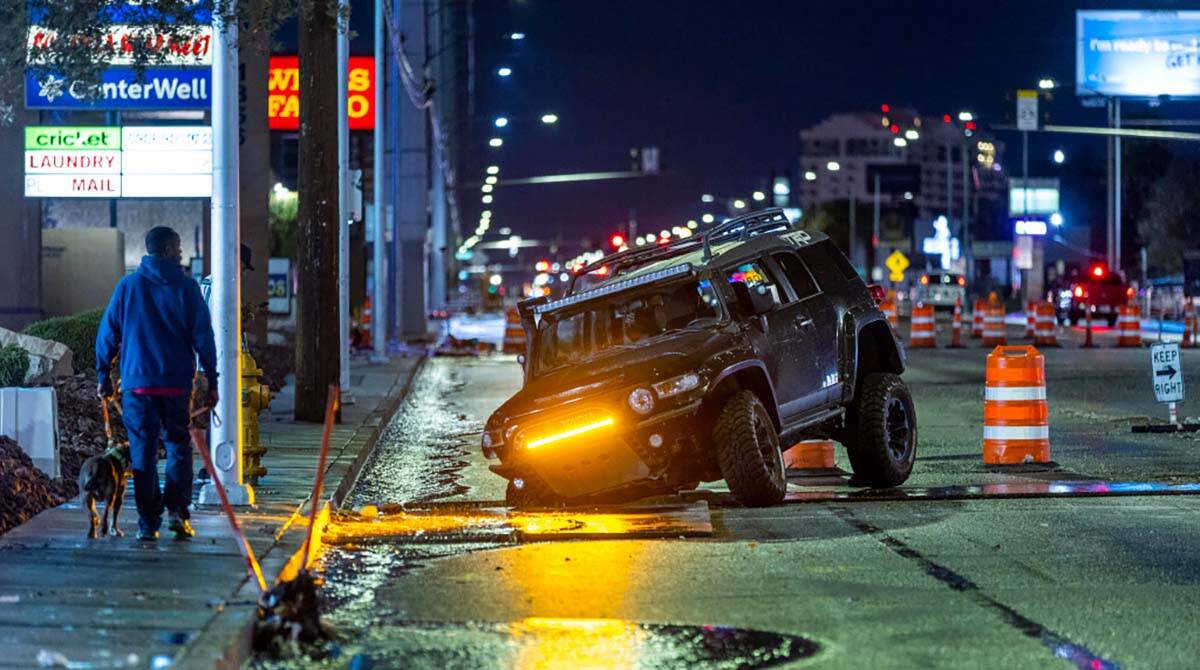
<point>824,257</point>
<point>797,275</point>
<point>755,275</point>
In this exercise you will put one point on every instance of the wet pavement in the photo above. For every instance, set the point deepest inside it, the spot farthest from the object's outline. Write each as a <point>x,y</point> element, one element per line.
<point>1088,562</point>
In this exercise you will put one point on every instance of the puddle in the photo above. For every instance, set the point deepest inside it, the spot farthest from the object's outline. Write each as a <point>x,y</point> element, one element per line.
<point>543,643</point>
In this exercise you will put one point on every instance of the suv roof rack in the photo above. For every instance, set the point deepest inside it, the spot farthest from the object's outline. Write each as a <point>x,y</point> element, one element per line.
<point>745,226</point>
<point>742,227</point>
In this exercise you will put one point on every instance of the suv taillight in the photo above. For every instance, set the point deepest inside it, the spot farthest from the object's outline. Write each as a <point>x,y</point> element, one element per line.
<point>877,293</point>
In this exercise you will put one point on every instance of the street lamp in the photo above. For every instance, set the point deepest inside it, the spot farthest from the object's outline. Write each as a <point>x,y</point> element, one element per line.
<point>809,175</point>
<point>501,121</point>
<point>1059,156</point>
<point>1046,83</point>
<point>966,116</point>
<point>491,179</point>
<point>759,196</point>
<point>738,203</point>
<point>495,142</point>
<point>833,166</point>
<point>493,169</point>
<point>707,218</point>
<point>912,135</point>
<point>707,197</point>
<point>504,72</point>
<point>516,37</point>
<point>487,199</point>
<point>549,119</point>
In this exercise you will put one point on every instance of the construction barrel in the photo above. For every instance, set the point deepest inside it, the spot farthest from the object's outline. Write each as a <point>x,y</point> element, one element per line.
<point>993,326</point>
<point>921,335</point>
<point>514,333</point>
<point>956,326</point>
<point>888,307</point>
<point>1189,323</point>
<point>810,455</point>
<point>1129,327</point>
<point>1030,319</point>
<point>977,318</point>
<point>1016,425</point>
<point>1045,332</point>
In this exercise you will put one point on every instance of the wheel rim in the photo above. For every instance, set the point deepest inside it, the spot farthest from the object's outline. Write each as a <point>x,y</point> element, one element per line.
<point>899,434</point>
<point>766,446</point>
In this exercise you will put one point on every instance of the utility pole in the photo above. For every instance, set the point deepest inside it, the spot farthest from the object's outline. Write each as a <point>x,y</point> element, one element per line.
<point>1108,227</point>
<point>226,271</point>
<point>1116,236</point>
<point>379,303</point>
<point>317,343</point>
<point>965,251</point>
<point>343,180</point>
<point>875,233</point>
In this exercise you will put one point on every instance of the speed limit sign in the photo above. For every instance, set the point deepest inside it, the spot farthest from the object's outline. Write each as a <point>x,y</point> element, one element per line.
<point>1027,109</point>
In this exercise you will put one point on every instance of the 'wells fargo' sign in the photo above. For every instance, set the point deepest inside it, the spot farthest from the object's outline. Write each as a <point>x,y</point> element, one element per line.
<point>283,93</point>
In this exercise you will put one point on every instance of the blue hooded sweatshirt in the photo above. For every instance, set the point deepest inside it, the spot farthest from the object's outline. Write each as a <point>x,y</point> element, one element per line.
<point>158,323</point>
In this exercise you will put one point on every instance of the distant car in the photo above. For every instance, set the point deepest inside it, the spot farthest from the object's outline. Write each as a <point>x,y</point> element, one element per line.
<point>702,359</point>
<point>1101,289</point>
<point>942,289</point>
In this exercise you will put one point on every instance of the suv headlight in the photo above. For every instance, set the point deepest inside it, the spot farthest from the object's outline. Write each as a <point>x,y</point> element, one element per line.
<point>676,385</point>
<point>641,401</point>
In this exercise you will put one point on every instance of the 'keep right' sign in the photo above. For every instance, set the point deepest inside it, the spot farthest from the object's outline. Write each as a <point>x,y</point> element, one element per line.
<point>1166,372</point>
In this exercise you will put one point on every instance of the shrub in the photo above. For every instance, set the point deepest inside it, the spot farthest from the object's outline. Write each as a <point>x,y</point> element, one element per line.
<point>77,331</point>
<point>14,365</point>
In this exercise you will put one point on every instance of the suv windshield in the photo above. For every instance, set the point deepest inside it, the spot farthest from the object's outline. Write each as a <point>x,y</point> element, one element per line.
<point>571,335</point>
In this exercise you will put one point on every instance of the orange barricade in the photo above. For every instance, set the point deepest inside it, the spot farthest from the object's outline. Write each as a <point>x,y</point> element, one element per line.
<point>809,455</point>
<point>1129,327</point>
<point>993,326</point>
<point>956,326</point>
<point>1087,341</point>
<point>1045,333</point>
<point>1030,319</point>
<point>977,319</point>
<point>1189,323</point>
<point>514,334</point>
<point>1015,421</point>
<point>888,307</point>
<point>922,327</point>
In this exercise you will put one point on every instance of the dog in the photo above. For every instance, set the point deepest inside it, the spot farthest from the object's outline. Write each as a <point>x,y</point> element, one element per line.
<point>102,478</point>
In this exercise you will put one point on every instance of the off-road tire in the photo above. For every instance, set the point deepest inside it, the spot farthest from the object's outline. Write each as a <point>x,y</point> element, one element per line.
<point>535,493</point>
<point>881,432</point>
<point>748,451</point>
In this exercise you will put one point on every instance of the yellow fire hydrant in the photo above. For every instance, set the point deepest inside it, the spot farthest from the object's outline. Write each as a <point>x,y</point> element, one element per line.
<point>256,396</point>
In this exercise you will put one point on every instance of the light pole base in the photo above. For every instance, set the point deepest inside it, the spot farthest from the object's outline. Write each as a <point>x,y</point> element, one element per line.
<point>347,398</point>
<point>240,495</point>
<point>379,358</point>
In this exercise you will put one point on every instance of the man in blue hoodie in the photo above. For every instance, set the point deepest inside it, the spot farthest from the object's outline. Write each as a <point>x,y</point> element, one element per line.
<point>157,323</point>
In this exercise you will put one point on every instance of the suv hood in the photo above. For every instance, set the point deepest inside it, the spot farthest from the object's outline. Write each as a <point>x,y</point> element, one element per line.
<point>666,356</point>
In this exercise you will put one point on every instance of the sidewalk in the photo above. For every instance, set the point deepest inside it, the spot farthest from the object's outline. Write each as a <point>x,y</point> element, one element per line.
<point>118,603</point>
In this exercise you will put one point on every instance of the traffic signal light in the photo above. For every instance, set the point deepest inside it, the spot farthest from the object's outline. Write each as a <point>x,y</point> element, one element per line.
<point>617,240</point>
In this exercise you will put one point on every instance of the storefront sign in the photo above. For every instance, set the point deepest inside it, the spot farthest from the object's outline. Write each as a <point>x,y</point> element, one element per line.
<point>190,47</point>
<point>110,162</point>
<point>283,93</point>
<point>159,88</point>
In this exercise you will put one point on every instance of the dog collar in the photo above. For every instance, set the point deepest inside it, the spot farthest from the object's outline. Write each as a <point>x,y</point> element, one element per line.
<point>115,454</point>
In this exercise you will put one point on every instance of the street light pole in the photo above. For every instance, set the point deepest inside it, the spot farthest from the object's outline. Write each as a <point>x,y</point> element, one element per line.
<point>379,303</point>
<point>1116,238</point>
<point>875,233</point>
<point>226,271</point>
<point>343,149</point>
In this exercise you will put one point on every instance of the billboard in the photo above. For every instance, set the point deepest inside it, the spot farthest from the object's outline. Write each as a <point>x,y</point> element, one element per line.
<point>112,162</point>
<point>1137,54</point>
<point>283,93</point>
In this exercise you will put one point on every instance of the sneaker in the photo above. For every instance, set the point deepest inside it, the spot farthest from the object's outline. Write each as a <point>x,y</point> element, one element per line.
<point>147,535</point>
<point>182,529</point>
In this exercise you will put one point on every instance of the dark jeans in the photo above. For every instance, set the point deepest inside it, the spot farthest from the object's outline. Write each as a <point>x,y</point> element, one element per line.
<point>147,418</point>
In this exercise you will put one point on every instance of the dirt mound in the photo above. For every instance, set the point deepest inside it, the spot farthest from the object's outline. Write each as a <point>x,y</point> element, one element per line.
<point>24,490</point>
<point>277,362</point>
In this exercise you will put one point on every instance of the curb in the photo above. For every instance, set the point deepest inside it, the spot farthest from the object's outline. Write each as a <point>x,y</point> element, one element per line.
<point>229,633</point>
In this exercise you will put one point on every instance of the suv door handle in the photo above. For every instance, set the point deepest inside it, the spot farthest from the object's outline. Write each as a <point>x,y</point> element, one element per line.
<point>804,322</point>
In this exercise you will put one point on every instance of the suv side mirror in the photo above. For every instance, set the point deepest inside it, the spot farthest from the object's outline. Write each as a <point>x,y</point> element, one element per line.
<point>754,302</point>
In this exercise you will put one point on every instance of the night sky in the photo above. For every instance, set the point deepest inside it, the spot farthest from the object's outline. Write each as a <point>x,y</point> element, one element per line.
<point>724,87</point>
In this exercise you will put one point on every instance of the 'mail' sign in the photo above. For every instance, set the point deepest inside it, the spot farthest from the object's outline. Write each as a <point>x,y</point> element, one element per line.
<point>283,93</point>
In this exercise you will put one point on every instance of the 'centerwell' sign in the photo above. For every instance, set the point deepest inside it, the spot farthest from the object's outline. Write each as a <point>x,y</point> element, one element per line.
<point>125,162</point>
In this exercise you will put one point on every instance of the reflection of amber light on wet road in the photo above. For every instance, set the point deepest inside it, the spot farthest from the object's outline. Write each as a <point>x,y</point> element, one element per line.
<point>545,643</point>
<point>531,524</point>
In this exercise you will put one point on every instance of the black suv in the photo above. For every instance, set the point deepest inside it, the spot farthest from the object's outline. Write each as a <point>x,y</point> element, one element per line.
<point>700,360</point>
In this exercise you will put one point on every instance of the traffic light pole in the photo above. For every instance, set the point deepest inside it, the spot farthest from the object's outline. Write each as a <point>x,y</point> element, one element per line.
<point>226,447</point>
<point>343,148</point>
<point>379,303</point>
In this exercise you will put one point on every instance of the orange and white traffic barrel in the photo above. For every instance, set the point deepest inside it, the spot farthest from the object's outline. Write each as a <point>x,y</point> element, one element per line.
<point>993,326</point>
<point>1129,327</point>
<point>1030,319</point>
<point>977,318</point>
<point>514,333</point>
<point>1016,426</point>
<point>921,336</point>
<point>956,326</point>
<point>888,307</point>
<point>1045,332</point>
<point>810,455</point>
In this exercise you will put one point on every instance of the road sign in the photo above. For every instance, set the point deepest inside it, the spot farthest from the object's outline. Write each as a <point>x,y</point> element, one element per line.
<point>1027,109</point>
<point>1167,373</point>
<point>897,263</point>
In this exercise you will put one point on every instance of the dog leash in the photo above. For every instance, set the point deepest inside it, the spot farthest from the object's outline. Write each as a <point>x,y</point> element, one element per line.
<point>107,423</point>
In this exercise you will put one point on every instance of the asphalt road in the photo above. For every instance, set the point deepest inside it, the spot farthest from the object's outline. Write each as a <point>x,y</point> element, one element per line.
<point>964,566</point>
